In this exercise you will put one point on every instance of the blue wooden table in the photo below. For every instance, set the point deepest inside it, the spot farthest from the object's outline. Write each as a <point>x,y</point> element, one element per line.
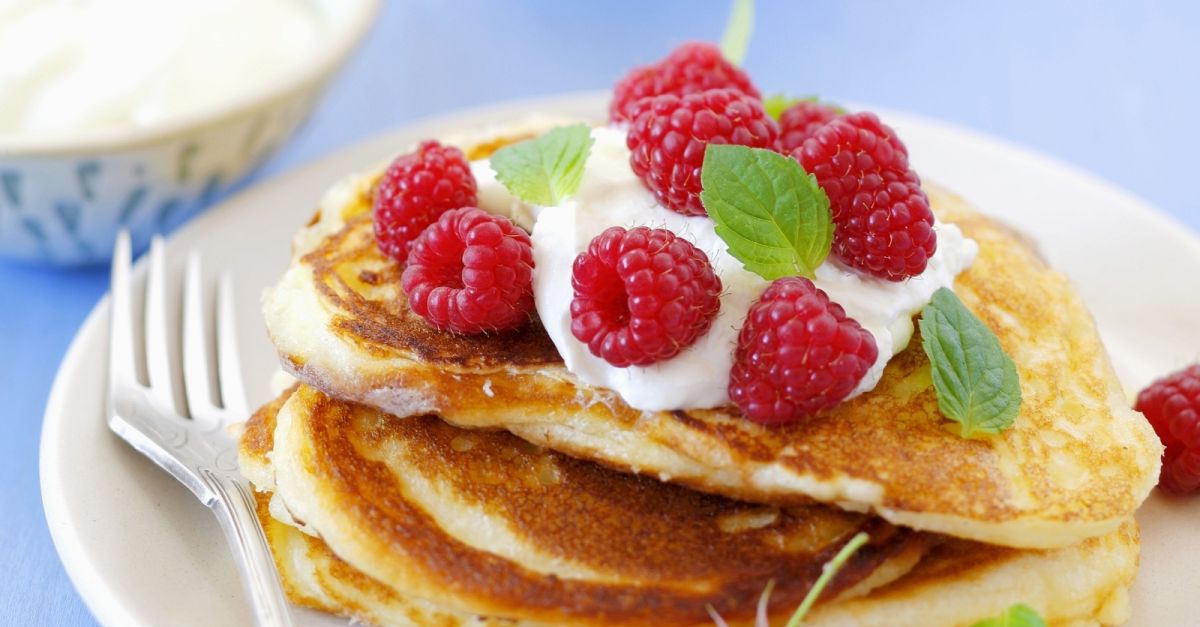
<point>1109,86</point>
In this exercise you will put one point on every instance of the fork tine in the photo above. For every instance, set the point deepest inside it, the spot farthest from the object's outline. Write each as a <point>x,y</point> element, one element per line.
<point>197,377</point>
<point>158,358</point>
<point>122,369</point>
<point>204,462</point>
<point>233,391</point>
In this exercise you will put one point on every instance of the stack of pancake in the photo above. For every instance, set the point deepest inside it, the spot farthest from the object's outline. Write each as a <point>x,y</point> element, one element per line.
<point>416,477</point>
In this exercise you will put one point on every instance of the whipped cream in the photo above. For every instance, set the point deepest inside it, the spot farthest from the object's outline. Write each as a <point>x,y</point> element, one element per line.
<point>610,194</point>
<point>495,198</point>
<point>74,65</point>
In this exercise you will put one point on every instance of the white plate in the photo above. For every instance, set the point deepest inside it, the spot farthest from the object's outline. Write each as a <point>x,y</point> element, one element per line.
<point>142,551</point>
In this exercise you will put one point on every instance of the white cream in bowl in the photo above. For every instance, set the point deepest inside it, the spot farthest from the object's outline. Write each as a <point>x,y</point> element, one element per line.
<point>79,65</point>
<point>136,114</point>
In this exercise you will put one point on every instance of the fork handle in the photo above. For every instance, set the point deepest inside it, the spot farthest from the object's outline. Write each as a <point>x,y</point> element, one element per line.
<point>235,508</point>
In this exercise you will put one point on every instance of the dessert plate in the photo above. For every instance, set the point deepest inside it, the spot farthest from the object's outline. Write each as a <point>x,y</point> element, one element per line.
<point>142,551</point>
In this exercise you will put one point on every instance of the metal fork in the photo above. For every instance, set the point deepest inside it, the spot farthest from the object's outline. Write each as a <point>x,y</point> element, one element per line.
<point>192,443</point>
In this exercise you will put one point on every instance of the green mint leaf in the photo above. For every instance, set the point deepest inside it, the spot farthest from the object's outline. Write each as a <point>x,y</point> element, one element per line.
<point>776,104</point>
<point>547,169</point>
<point>772,215</point>
<point>1019,615</point>
<point>976,382</point>
<point>738,30</point>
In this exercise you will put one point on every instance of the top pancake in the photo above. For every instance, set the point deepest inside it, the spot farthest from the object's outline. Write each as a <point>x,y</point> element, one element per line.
<point>1075,464</point>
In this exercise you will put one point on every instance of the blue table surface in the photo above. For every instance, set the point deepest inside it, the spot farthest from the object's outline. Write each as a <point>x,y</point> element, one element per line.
<point>1108,86</point>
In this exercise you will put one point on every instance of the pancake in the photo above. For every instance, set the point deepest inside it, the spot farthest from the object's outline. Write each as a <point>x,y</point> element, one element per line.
<point>959,582</point>
<point>470,523</point>
<point>1077,462</point>
<point>1081,586</point>
<point>343,446</point>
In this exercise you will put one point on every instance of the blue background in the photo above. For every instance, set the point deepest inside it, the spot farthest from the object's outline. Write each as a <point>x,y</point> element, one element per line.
<point>1109,86</point>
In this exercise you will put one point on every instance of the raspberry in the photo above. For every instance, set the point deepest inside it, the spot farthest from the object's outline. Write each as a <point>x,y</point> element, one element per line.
<point>416,189</point>
<point>642,295</point>
<point>690,68</point>
<point>801,120</point>
<point>1172,405</point>
<point>670,134</point>
<point>797,354</point>
<point>883,224</point>
<point>471,272</point>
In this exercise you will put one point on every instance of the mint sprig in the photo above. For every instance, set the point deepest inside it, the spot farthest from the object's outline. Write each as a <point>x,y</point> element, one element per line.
<point>738,30</point>
<point>828,571</point>
<point>547,169</point>
<point>776,104</point>
<point>772,215</point>
<point>976,381</point>
<point>1019,615</point>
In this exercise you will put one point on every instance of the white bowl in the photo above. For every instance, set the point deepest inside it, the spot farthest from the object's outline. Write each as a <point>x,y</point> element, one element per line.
<point>63,199</point>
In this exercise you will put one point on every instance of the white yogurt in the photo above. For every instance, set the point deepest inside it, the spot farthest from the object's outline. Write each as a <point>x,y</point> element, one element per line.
<point>80,65</point>
<point>612,195</point>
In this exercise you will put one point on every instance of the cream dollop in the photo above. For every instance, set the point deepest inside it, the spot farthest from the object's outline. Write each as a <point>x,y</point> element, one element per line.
<point>612,195</point>
<point>76,65</point>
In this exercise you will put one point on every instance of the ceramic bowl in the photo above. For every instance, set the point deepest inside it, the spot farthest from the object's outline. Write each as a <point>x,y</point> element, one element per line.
<point>63,200</point>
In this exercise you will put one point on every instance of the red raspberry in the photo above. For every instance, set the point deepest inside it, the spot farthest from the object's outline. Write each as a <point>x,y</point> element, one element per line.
<point>801,120</point>
<point>642,295</point>
<point>670,134</point>
<point>690,68</point>
<point>415,190</point>
<point>471,272</point>
<point>797,354</point>
<point>883,224</point>
<point>1172,405</point>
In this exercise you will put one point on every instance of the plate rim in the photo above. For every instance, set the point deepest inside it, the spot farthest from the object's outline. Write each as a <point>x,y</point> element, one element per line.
<point>108,606</point>
<point>82,573</point>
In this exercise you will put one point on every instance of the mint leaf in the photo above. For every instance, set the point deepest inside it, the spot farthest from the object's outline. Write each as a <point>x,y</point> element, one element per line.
<point>738,30</point>
<point>547,169</point>
<point>1019,615</point>
<point>976,382</point>
<point>776,104</point>
<point>772,215</point>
